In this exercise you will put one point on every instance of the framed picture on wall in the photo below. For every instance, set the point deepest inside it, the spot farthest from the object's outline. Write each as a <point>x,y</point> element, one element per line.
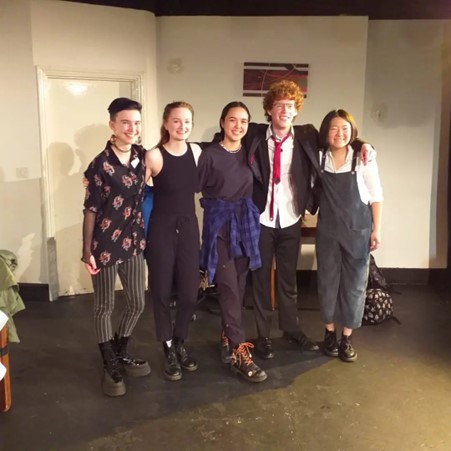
<point>258,77</point>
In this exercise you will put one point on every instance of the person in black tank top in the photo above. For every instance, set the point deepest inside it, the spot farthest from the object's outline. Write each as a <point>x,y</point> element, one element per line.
<point>173,240</point>
<point>231,228</point>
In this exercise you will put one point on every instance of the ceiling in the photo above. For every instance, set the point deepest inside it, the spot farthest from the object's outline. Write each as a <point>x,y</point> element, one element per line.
<point>374,9</point>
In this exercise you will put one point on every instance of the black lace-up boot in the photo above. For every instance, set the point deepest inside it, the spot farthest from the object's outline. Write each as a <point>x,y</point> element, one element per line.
<point>131,366</point>
<point>346,352</point>
<point>186,360</point>
<point>172,369</point>
<point>243,364</point>
<point>330,344</point>
<point>112,383</point>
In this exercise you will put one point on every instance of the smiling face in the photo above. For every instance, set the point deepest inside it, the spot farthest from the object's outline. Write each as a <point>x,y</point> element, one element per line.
<point>339,133</point>
<point>282,113</point>
<point>126,125</point>
<point>179,124</point>
<point>235,124</point>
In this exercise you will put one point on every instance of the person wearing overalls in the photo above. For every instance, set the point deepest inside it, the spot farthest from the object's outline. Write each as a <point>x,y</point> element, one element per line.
<point>350,207</point>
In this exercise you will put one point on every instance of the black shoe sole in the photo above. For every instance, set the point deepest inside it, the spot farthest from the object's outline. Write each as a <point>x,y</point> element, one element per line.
<point>255,379</point>
<point>111,388</point>
<point>190,368</point>
<point>347,359</point>
<point>172,377</point>
<point>137,371</point>
<point>329,353</point>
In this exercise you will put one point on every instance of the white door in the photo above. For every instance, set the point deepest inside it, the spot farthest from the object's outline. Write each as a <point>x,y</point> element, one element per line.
<point>75,131</point>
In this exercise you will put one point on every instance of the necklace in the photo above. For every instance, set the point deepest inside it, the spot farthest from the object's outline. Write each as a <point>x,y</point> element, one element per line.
<point>120,150</point>
<point>229,150</point>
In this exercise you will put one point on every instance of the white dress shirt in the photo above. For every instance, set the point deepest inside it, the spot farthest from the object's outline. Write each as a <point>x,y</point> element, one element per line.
<point>284,208</point>
<point>368,181</point>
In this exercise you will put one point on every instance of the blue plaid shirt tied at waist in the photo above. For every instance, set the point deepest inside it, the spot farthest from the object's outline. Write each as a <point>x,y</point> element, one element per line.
<point>242,219</point>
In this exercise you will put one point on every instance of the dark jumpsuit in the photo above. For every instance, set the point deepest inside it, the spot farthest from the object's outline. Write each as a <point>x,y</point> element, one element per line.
<point>342,247</point>
<point>173,244</point>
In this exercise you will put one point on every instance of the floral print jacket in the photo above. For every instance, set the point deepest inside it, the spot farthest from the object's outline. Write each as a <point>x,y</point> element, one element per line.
<point>114,192</point>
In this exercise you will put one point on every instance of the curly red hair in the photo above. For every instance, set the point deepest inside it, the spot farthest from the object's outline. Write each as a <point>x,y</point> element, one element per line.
<point>283,89</point>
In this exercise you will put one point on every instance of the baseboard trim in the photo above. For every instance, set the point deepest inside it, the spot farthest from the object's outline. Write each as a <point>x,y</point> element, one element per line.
<point>394,276</point>
<point>31,292</point>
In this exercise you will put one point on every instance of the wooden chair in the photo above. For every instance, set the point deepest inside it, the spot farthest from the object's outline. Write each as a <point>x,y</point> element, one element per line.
<point>5,383</point>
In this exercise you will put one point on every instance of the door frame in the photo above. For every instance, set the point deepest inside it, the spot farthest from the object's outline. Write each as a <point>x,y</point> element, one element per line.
<point>44,74</point>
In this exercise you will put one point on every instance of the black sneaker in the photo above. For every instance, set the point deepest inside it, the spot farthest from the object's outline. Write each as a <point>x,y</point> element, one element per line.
<point>226,351</point>
<point>186,360</point>
<point>346,351</point>
<point>172,370</point>
<point>243,365</point>
<point>302,340</point>
<point>264,348</point>
<point>330,344</point>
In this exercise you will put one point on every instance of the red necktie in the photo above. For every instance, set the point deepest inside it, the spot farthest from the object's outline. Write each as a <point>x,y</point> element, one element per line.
<point>275,170</point>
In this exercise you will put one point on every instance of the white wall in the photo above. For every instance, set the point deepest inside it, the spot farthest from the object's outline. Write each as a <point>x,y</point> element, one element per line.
<point>212,51</point>
<point>20,220</point>
<point>395,88</point>
<point>64,36</point>
<point>407,95</point>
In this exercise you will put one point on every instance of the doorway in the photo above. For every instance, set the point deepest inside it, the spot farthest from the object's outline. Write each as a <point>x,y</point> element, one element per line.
<point>74,129</point>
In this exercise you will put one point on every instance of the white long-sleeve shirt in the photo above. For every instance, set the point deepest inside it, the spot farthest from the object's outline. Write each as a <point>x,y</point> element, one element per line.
<point>368,181</point>
<point>283,192</point>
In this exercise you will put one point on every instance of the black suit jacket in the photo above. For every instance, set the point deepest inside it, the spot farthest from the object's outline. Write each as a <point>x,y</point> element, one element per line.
<point>304,165</point>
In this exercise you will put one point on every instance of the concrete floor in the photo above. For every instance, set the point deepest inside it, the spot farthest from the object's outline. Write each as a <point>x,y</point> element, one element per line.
<point>397,396</point>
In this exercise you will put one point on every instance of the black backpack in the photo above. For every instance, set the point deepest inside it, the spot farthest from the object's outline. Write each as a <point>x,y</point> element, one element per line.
<point>378,302</point>
<point>375,277</point>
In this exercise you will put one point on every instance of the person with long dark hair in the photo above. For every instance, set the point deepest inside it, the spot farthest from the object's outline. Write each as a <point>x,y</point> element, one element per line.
<point>231,227</point>
<point>173,239</point>
<point>349,227</point>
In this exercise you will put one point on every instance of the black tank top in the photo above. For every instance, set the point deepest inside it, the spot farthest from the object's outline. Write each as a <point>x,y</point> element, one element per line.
<point>175,185</point>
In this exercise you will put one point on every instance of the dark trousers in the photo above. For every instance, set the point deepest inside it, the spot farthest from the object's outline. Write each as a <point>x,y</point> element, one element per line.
<point>283,244</point>
<point>173,257</point>
<point>230,279</point>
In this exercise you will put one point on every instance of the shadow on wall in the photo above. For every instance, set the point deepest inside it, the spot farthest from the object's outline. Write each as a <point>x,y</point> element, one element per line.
<point>405,76</point>
<point>21,216</point>
<point>67,166</point>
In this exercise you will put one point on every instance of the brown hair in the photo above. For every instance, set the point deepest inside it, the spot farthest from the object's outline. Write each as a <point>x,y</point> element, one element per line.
<point>283,89</point>
<point>164,134</point>
<point>325,126</point>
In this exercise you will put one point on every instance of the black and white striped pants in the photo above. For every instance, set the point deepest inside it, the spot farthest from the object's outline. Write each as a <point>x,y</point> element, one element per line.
<point>131,274</point>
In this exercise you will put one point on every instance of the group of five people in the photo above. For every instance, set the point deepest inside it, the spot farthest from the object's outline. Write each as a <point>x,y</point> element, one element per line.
<point>257,181</point>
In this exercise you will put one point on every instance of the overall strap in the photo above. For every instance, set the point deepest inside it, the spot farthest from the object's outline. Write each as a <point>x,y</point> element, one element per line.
<point>323,160</point>
<point>354,161</point>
